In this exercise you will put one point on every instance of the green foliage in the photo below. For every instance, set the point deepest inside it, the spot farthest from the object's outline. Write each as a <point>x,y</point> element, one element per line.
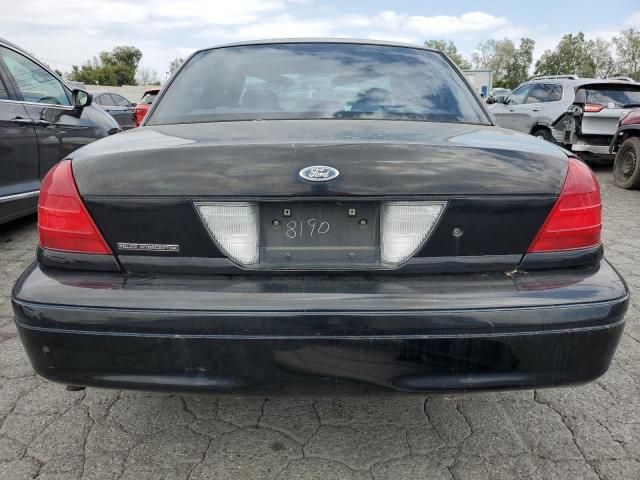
<point>494,54</point>
<point>510,65</point>
<point>628,50</point>
<point>517,69</point>
<point>574,54</point>
<point>450,49</point>
<point>571,55</point>
<point>600,52</point>
<point>117,67</point>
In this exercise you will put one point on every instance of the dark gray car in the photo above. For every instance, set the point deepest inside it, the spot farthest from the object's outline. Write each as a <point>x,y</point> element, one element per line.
<point>41,122</point>
<point>117,106</point>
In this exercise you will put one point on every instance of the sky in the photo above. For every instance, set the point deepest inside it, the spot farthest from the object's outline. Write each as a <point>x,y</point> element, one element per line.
<point>66,32</point>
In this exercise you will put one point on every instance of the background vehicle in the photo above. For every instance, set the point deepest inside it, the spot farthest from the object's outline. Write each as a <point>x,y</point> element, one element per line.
<point>143,106</point>
<point>39,125</point>
<point>579,114</point>
<point>498,95</point>
<point>118,107</point>
<point>481,80</point>
<point>320,211</point>
<point>626,146</point>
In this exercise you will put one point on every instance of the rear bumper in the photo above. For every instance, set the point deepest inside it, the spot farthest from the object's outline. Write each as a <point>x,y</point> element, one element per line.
<point>257,334</point>
<point>602,150</point>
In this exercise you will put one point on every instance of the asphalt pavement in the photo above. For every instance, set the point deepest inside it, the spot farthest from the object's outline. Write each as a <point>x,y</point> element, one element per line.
<point>587,432</point>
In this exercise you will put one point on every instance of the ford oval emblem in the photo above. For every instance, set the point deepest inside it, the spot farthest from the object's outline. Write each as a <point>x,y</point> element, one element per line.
<point>318,173</point>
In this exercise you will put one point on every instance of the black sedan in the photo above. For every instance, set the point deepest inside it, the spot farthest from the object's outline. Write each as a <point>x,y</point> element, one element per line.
<point>41,122</point>
<point>121,109</point>
<point>323,213</point>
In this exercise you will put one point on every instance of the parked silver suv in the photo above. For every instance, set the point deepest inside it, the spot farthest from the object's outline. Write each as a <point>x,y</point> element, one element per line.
<point>580,114</point>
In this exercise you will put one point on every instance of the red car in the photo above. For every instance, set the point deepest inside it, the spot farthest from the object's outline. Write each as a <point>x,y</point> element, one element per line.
<point>626,145</point>
<point>143,107</point>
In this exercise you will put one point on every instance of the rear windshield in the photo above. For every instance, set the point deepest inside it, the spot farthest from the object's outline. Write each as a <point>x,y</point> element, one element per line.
<point>148,98</point>
<point>614,97</point>
<point>316,81</point>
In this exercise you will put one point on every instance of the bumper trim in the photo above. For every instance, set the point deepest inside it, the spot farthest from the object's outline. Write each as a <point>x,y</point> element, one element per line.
<point>240,337</point>
<point>589,148</point>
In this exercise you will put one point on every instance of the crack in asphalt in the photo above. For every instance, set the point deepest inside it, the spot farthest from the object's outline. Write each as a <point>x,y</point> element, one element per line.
<point>379,457</point>
<point>568,427</point>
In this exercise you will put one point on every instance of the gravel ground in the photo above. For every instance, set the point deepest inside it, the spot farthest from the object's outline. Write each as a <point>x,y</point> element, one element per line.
<point>588,432</point>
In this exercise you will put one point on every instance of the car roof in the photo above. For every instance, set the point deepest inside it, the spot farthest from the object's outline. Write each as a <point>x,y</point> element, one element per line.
<point>15,47</point>
<point>151,90</point>
<point>355,41</point>
<point>33,58</point>
<point>579,82</point>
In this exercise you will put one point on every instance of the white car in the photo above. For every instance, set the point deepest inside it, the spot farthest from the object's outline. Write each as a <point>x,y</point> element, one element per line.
<point>579,114</point>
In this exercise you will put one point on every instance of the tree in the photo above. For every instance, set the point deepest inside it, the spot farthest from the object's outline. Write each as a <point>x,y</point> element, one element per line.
<point>117,67</point>
<point>510,65</point>
<point>493,54</point>
<point>125,55</point>
<point>517,68</point>
<point>628,50</point>
<point>600,52</point>
<point>175,65</point>
<point>571,56</point>
<point>450,49</point>
<point>147,76</point>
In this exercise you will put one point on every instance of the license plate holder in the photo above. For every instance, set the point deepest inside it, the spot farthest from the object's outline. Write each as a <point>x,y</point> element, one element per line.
<point>319,234</point>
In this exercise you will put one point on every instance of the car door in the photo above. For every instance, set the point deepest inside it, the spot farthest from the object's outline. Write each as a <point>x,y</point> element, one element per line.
<point>533,105</point>
<point>60,128</point>
<point>108,104</point>
<point>512,114</point>
<point>19,168</point>
<point>126,111</point>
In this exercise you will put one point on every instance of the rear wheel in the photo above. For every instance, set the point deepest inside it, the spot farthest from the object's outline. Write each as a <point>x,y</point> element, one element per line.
<point>626,168</point>
<point>545,134</point>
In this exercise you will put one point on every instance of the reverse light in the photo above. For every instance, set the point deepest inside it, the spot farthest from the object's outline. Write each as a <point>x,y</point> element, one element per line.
<point>405,226</point>
<point>592,107</point>
<point>576,219</point>
<point>234,227</point>
<point>64,223</point>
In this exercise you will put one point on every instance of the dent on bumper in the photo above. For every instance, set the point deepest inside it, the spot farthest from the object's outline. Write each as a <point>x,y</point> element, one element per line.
<point>595,149</point>
<point>414,333</point>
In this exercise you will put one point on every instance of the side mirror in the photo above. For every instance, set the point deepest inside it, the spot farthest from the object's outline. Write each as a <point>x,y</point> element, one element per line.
<point>81,98</point>
<point>491,100</point>
<point>134,104</point>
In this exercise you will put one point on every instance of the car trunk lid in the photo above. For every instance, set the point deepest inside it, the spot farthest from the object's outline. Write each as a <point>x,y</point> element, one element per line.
<point>604,103</point>
<point>379,158</point>
<point>195,197</point>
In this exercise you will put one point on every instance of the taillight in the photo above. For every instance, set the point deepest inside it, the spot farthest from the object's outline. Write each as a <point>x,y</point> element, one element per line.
<point>405,226</point>
<point>63,221</point>
<point>234,226</point>
<point>593,107</point>
<point>576,219</point>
